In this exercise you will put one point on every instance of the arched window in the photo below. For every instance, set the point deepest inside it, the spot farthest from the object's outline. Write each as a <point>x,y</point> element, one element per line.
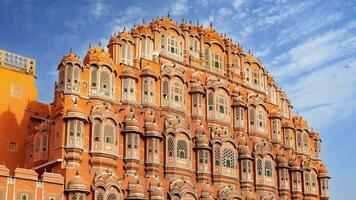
<point>75,133</point>
<point>170,147</point>
<point>61,75</point>
<point>182,150</point>
<point>228,158</point>
<point>260,119</point>
<point>268,168</point>
<point>259,167</point>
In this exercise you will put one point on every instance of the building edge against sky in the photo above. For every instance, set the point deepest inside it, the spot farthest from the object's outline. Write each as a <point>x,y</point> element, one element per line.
<point>169,112</point>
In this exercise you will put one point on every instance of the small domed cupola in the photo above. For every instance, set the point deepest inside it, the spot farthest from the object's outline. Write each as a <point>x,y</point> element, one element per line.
<point>98,55</point>
<point>77,188</point>
<point>201,141</point>
<point>75,111</point>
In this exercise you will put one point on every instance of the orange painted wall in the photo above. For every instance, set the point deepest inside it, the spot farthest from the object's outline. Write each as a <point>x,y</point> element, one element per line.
<point>12,114</point>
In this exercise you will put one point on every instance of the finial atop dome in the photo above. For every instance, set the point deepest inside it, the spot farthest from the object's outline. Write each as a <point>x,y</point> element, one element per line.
<point>211,24</point>
<point>168,15</point>
<point>99,43</point>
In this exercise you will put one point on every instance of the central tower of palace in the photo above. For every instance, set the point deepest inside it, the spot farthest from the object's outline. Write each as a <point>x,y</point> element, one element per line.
<point>174,112</point>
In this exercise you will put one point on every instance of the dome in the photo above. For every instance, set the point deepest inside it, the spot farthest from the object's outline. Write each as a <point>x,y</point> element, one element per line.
<point>98,55</point>
<point>75,111</point>
<point>152,130</point>
<point>128,73</point>
<point>132,124</point>
<point>287,124</point>
<point>202,141</point>
<point>238,100</point>
<point>241,140</point>
<point>148,72</point>
<point>245,152</point>
<point>197,88</point>
<point>70,57</point>
<point>157,193</point>
<point>275,114</point>
<point>77,184</point>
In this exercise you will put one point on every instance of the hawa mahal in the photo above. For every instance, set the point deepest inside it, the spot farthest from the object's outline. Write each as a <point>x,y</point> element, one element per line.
<point>166,111</point>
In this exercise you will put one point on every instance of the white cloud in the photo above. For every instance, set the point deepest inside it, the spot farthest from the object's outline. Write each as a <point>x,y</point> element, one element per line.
<point>326,94</point>
<point>97,8</point>
<point>238,3</point>
<point>315,52</point>
<point>179,7</point>
<point>305,27</point>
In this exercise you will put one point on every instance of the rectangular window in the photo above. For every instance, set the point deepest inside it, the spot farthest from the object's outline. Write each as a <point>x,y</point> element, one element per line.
<point>12,146</point>
<point>16,91</point>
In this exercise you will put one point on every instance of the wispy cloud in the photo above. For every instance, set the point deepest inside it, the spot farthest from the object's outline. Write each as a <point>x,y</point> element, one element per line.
<point>315,52</point>
<point>326,94</point>
<point>180,7</point>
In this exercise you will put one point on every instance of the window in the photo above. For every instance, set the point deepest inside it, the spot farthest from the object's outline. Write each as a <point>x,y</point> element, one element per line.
<point>217,156</point>
<point>97,130</point>
<point>174,46</point>
<point>170,147</point>
<point>201,156</point>
<point>207,57</point>
<point>128,89</point>
<point>268,167</point>
<point>182,151</point>
<point>256,78</point>
<point>109,131</point>
<point>244,166</point>
<point>177,93</point>
<point>194,47</point>
<point>146,48</point>
<point>12,147</point>
<point>24,197</point>
<point>99,196</point>
<point>228,158</point>
<point>75,128</point>
<point>148,90</point>
<point>260,119</point>
<point>126,54</point>
<point>105,87</point>
<point>259,167</point>
<point>217,61</point>
<point>221,104</point>
<point>252,115</point>
<point>111,197</point>
<point>210,101</point>
<point>94,76</point>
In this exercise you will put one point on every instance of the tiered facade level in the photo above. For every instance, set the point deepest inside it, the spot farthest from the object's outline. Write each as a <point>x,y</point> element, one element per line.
<point>173,112</point>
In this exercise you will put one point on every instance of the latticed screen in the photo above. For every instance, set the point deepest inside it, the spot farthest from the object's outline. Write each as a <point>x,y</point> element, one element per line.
<point>228,158</point>
<point>182,149</point>
<point>170,147</point>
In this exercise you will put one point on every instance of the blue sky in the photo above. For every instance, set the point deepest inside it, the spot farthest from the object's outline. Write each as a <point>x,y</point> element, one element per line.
<point>308,46</point>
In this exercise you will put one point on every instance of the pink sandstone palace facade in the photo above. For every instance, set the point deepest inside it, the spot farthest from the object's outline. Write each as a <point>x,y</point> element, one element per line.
<point>169,111</point>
